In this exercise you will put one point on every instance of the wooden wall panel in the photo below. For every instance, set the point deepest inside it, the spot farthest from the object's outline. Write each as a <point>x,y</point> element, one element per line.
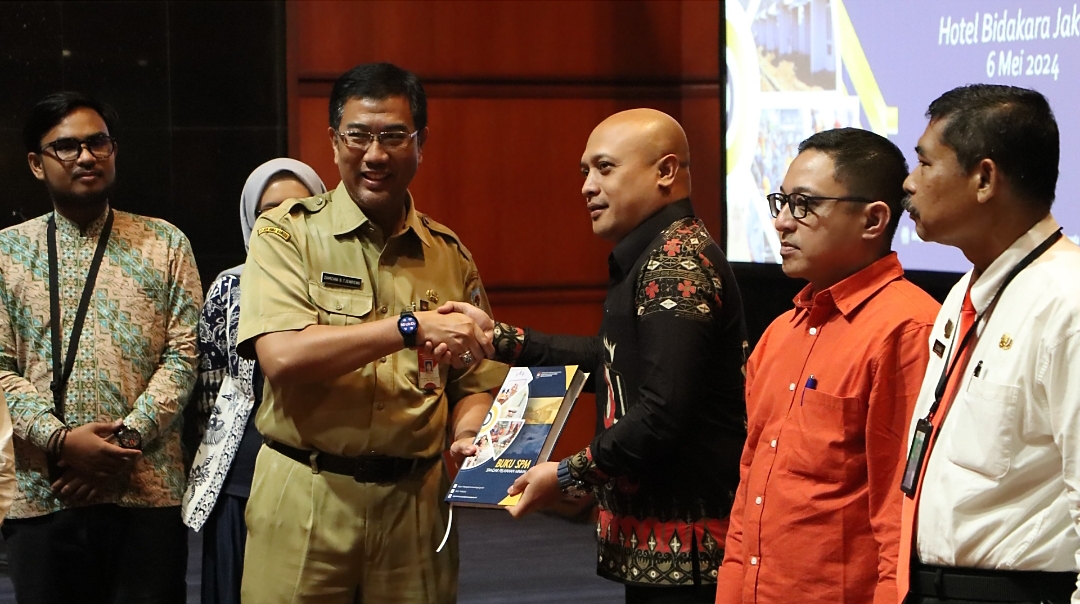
<point>480,39</point>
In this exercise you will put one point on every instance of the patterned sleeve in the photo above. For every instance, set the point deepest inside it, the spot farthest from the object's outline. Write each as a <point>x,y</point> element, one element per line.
<point>173,380</point>
<point>31,411</point>
<point>213,351</point>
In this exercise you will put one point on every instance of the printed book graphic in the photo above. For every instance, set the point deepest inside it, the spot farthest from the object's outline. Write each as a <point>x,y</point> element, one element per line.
<point>519,431</point>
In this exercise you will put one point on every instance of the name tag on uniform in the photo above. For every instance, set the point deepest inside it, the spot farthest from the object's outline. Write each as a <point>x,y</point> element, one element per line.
<point>919,444</point>
<point>427,371</point>
<point>342,281</point>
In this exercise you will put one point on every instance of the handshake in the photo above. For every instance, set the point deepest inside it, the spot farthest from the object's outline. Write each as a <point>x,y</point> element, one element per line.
<point>456,332</point>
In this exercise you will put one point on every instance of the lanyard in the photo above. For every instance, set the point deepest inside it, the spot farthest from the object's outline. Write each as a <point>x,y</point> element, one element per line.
<point>947,370</point>
<point>62,373</point>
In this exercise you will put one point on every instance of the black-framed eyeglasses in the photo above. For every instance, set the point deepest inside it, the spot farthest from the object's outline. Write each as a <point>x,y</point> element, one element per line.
<point>67,150</point>
<point>799,204</point>
<point>392,139</point>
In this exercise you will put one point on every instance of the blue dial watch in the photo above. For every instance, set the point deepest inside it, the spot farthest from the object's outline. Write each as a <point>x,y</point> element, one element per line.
<point>407,325</point>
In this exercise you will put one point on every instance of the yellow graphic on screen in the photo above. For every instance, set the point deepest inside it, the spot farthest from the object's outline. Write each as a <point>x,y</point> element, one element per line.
<point>785,66</point>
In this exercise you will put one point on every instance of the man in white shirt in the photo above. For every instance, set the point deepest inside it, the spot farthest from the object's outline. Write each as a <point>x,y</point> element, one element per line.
<point>991,509</point>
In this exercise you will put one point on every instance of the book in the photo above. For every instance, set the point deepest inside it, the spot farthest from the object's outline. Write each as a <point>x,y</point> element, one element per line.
<point>518,432</point>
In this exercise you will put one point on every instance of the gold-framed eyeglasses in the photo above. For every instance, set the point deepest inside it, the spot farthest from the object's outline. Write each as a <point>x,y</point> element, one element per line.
<point>68,149</point>
<point>391,139</point>
<point>800,204</point>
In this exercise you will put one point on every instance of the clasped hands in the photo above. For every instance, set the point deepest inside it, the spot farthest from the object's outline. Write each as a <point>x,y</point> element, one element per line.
<point>457,332</point>
<point>92,462</point>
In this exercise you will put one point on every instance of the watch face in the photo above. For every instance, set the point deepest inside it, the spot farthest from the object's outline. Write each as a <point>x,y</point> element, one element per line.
<point>129,438</point>
<point>407,324</point>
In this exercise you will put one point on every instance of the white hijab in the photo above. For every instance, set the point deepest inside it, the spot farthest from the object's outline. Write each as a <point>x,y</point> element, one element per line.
<point>256,186</point>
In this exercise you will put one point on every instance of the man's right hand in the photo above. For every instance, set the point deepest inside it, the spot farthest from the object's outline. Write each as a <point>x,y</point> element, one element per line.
<point>87,449</point>
<point>458,332</point>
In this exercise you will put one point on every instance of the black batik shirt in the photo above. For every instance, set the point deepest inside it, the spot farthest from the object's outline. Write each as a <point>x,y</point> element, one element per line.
<point>667,372</point>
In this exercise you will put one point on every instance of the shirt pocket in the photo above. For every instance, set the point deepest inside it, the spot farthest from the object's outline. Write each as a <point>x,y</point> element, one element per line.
<point>985,418</point>
<point>340,306</point>
<point>826,425</point>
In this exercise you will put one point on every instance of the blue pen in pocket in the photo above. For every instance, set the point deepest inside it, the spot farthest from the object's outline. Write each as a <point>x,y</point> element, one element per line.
<point>811,384</point>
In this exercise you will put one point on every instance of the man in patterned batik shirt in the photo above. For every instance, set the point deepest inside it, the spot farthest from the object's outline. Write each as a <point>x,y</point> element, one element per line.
<point>99,467</point>
<point>666,366</point>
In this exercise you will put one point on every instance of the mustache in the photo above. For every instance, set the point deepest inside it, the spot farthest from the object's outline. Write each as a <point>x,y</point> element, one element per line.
<point>906,204</point>
<point>80,173</point>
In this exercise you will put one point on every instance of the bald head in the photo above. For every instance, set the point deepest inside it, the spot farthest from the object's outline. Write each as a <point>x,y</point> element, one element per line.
<point>635,163</point>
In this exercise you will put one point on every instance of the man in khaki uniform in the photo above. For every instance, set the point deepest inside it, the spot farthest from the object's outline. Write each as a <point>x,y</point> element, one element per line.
<point>338,303</point>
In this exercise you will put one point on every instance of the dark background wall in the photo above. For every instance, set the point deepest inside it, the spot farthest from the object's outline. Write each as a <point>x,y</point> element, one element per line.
<point>200,90</point>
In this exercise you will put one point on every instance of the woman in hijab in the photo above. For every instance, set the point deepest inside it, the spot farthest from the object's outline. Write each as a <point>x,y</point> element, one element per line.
<point>228,392</point>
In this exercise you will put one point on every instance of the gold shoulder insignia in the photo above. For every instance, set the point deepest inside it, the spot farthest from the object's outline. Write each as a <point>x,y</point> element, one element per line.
<point>275,230</point>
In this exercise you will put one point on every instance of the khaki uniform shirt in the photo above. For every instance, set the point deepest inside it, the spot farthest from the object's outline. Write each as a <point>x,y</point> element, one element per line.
<point>320,261</point>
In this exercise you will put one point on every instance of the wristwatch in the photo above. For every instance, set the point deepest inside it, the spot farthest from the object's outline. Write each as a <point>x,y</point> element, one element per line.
<point>567,483</point>
<point>129,438</point>
<point>407,325</point>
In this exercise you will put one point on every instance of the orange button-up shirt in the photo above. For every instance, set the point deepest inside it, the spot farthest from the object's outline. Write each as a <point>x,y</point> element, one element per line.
<point>829,393</point>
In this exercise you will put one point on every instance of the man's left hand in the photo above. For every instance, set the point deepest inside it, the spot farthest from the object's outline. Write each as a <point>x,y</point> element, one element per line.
<point>539,488</point>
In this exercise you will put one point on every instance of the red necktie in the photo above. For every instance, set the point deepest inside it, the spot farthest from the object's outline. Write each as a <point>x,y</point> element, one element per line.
<point>907,518</point>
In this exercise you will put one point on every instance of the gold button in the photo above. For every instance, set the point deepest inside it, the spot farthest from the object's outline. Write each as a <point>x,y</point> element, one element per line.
<point>338,306</point>
<point>383,310</point>
<point>383,359</point>
<point>380,406</point>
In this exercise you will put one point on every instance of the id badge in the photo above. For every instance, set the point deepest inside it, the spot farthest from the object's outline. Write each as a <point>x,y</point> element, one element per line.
<point>427,374</point>
<point>920,442</point>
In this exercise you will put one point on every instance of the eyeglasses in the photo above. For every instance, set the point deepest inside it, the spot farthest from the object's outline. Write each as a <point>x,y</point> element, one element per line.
<point>391,140</point>
<point>799,204</point>
<point>68,150</point>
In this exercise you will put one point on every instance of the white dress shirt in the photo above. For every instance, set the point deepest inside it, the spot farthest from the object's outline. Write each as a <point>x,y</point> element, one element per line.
<point>1002,486</point>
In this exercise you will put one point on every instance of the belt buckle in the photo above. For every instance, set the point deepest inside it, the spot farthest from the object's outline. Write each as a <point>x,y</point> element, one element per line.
<point>366,470</point>
<point>313,461</point>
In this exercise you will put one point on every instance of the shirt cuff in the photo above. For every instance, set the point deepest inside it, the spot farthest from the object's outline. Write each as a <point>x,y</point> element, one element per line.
<point>509,341</point>
<point>584,469</point>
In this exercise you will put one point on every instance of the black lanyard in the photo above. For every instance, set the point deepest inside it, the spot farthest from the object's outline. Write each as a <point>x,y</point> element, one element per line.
<point>62,373</point>
<point>947,370</point>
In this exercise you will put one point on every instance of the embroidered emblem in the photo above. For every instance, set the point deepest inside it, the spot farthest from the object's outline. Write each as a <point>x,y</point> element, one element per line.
<point>652,265</point>
<point>688,265</point>
<point>948,329</point>
<point>1006,342</point>
<point>669,304</point>
<point>279,232</point>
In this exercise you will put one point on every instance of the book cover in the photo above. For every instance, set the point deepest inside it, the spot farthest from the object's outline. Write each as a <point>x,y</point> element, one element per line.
<point>519,431</point>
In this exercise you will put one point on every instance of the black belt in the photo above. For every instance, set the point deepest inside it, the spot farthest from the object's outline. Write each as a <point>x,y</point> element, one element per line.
<point>953,583</point>
<point>366,468</point>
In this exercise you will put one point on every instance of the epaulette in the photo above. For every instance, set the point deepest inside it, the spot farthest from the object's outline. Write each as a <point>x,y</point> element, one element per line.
<point>311,204</point>
<point>444,231</point>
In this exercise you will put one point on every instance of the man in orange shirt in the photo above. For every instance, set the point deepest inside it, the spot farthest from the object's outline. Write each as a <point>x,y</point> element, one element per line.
<point>830,388</point>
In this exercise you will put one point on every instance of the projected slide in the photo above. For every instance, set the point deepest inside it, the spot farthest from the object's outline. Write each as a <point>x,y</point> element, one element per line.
<point>796,67</point>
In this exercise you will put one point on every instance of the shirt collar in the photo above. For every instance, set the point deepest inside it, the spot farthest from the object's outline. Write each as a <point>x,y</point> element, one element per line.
<point>626,253</point>
<point>70,229</point>
<point>847,295</point>
<point>985,287</point>
<point>347,216</point>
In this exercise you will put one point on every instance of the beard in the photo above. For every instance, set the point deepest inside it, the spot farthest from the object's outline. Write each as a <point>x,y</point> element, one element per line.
<point>68,199</point>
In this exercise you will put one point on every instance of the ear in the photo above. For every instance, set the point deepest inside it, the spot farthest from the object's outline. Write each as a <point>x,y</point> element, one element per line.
<point>667,169</point>
<point>333,143</point>
<point>420,140</point>
<point>877,216</point>
<point>36,165</point>
<point>986,179</point>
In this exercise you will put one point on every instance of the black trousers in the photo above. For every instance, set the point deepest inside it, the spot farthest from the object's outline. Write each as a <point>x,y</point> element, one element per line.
<point>688,594</point>
<point>225,535</point>
<point>100,554</point>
